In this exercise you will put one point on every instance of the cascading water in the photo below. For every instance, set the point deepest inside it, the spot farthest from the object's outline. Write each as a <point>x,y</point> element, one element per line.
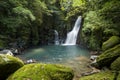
<point>72,35</point>
<point>56,38</point>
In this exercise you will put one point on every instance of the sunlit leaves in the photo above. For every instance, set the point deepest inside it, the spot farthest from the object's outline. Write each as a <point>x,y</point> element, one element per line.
<point>78,3</point>
<point>24,13</point>
<point>75,11</point>
<point>11,22</point>
<point>16,3</point>
<point>111,32</point>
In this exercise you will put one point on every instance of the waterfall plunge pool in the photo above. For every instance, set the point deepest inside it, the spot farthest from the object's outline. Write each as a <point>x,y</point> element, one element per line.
<point>56,53</point>
<point>73,56</point>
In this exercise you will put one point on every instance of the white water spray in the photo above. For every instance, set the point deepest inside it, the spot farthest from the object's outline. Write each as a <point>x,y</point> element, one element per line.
<point>72,35</point>
<point>56,38</point>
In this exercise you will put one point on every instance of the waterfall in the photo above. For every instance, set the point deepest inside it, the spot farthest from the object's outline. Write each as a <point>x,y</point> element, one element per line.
<point>56,38</point>
<point>72,35</point>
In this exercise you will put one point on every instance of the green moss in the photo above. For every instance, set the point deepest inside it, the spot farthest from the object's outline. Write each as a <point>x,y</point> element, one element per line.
<point>112,41</point>
<point>118,77</point>
<point>116,65</point>
<point>8,65</point>
<point>42,72</point>
<point>107,57</point>
<point>104,75</point>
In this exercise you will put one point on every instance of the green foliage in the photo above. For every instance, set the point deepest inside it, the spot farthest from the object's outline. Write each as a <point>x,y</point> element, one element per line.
<point>75,11</point>
<point>78,3</point>
<point>43,71</point>
<point>111,8</point>
<point>111,32</point>
<point>18,17</point>
<point>66,5</point>
<point>73,8</point>
<point>25,13</point>
<point>38,8</point>
<point>91,27</point>
<point>15,3</point>
<point>111,13</point>
<point>101,14</point>
<point>1,43</point>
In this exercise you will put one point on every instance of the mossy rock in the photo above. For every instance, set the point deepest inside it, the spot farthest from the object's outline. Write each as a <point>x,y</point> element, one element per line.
<point>104,75</point>
<point>41,71</point>
<point>118,77</point>
<point>107,57</point>
<point>116,65</point>
<point>112,41</point>
<point>8,65</point>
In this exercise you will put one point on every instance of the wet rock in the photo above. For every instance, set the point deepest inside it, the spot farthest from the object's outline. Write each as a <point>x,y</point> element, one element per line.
<point>8,52</point>
<point>30,61</point>
<point>93,57</point>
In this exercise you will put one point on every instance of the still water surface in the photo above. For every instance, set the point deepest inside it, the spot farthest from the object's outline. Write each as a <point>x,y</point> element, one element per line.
<point>56,53</point>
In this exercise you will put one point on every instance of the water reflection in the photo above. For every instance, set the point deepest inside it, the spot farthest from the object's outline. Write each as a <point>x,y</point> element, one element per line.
<point>55,53</point>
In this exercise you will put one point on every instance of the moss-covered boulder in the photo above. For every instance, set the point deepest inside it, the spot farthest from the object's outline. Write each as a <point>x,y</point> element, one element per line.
<point>42,72</point>
<point>107,57</point>
<point>116,65</point>
<point>112,41</point>
<point>104,75</point>
<point>118,77</point>
<point>8,65</point>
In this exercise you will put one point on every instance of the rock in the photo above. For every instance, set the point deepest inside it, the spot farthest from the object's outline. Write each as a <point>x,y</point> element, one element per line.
<point>107,57</point>
<point>30,61</point>
<point>116,65</point>
<point>94,70</point>
<point>15,51</point>
<point>112,41</point>
<point>8,52</point>
<point>93,57</point>
<point>103,75</point>
<point>42,72</point>
<point>8,65</point>
<point>118,77</point>
<point>94,52</point>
